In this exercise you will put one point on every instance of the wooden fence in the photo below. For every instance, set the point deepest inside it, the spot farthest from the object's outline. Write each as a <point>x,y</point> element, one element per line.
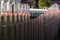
<point>43,27</point>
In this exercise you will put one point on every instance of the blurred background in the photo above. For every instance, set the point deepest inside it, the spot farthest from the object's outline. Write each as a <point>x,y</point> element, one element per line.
<point>40,3</point>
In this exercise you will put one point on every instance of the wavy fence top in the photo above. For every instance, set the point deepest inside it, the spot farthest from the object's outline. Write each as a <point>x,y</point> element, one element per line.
<point>52,12</point>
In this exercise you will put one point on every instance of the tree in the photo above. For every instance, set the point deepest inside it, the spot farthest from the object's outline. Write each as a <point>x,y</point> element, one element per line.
<point>44,3</point>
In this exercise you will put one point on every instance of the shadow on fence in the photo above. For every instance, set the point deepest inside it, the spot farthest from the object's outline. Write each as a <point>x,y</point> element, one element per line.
<point>44,27</point>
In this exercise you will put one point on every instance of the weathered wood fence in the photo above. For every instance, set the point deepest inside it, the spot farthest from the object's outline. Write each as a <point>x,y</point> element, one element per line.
<point>43,27</point>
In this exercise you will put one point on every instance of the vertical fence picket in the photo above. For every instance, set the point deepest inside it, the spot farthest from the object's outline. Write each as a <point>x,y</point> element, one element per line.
<point>41,28</point>
<point>17,31</point>
<point>37,23</point>
<point>35,30</point>
<point>0,17</point>
<point>4,27</point>
<point>15,17</point>
<point>26,17</point>
<point>26,31</point>
<point>5,17</point>
<point>0,28</point>
<point>0,32</point>
<point>10,17</point>
<point>11,32</point>
<point>29,28</point>
<point>20,31</point>
<point>4,32</point>
<point>17,25</point>
<point>48,32</point>
<point>19,17</point>
<point>26,28</point>
<point>11,27</point>
<point>22,27</point>
<point>28,20</point>
<point>54,29</point>
<point>32,29</point>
